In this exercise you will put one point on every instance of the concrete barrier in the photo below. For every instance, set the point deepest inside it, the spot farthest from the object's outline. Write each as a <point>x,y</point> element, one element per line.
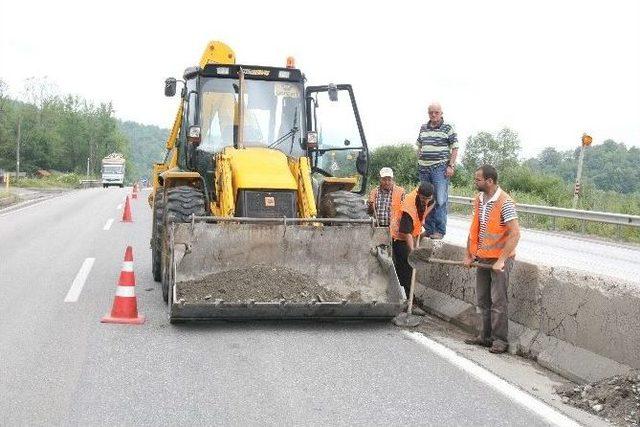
<point>90,183</point>
<point>582,326</point>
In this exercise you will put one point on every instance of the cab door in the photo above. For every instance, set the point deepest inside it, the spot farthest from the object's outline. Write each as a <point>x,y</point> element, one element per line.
<point>339,154</point>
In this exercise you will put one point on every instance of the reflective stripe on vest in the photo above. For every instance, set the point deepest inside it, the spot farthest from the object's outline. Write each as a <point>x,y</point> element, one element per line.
<point>495,236</point>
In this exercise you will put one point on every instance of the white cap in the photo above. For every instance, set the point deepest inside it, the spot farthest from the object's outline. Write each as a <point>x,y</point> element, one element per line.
<point>386,172</point>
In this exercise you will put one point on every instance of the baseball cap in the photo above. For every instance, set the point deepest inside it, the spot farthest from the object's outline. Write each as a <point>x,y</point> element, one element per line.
<point>386,172</point>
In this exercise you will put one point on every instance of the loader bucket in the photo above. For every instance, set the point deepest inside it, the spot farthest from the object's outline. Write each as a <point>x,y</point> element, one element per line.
<point>242,271</point>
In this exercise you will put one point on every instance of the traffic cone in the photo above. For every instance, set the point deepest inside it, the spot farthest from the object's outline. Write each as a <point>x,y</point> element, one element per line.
<point>126,213</point>
<point>125,303</point>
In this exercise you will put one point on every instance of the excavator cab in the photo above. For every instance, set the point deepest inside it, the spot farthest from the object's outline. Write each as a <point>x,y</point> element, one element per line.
<point>321,123</point>
<point>263,185</point>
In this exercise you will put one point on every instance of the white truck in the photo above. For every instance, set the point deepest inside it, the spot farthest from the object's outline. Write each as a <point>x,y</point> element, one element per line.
<point>113,170</point>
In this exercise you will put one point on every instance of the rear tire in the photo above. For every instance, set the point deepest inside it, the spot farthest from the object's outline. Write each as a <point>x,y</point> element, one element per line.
<point>156,234</point>
<point>180,203</point>
<point>344,205</point>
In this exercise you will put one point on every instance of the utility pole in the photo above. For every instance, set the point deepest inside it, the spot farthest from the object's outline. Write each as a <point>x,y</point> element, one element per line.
<point>88,167</point>
<point>586,141</point>
<point>18,149</point>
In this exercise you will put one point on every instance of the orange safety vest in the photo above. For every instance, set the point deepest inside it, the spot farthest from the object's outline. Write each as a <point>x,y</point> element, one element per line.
<point>397,193</point>
<point>408,206</point>
<point>495,235</point>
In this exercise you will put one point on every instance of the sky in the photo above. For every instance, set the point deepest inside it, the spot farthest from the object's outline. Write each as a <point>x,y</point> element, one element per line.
<point>550,70</point>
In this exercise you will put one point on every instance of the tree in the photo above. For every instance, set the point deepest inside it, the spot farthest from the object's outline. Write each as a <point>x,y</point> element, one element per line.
<point>57,132</point>
<point>147,145</point>
<point>402,158</point>
<point>500,150</point>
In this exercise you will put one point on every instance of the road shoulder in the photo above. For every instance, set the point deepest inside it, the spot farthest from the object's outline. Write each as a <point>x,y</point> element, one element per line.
<point>520,372</point>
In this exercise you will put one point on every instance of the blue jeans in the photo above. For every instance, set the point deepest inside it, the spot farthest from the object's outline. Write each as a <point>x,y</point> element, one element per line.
<point>436,222</point>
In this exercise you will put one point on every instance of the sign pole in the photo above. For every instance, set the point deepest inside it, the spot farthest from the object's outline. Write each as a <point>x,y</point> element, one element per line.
<point>586,141</point>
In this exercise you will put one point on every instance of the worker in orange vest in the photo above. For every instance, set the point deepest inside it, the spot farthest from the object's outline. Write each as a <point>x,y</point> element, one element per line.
<point>385,199</point>
<point>406,226</point>
<point>493,238</point>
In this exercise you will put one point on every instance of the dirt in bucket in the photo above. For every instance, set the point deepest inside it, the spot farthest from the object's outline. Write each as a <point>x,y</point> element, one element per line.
<point>262,283</point>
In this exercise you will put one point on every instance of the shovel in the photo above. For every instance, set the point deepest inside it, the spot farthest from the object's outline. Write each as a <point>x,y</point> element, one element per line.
<point>408,319</point>
<point>421,256</point>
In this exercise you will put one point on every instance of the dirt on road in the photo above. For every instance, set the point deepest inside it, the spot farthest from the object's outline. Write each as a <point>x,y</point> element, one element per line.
<point>616,399</point>
<point>262,283</point>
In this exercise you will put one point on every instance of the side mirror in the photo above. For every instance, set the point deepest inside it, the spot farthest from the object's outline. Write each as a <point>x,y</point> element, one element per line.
<point>361,163</point>
<point>333,92</point>
<point>170,87</point>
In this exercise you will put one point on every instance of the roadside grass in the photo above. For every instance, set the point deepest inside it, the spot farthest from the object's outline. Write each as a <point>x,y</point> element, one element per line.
<point>67,180</point>
<point>8,197</point>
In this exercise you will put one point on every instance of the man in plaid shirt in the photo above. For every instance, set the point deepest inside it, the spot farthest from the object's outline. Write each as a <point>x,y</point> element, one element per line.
<point>382,198</point>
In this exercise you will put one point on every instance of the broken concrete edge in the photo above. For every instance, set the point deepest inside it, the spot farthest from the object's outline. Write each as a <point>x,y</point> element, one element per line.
<point>569,361</point>
<point>594,312</point>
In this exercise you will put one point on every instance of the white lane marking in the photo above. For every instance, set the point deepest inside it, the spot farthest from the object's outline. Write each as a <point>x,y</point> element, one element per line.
<point>119,206</point>
<point>78,282</point>
<point>108,224</point>
<point>512,392</point>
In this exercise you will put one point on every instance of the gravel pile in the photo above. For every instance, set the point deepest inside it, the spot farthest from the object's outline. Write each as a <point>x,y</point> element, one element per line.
<point>261,283</point>
<point>617,399</point>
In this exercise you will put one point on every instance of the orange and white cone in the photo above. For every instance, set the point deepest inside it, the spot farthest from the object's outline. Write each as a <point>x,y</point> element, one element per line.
<point>125,303</point>
<point>134,191</point>
<point>126,213</point>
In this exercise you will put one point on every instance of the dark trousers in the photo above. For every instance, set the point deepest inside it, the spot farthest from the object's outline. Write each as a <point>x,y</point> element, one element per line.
<point>401,262</point>
<point>492,301</point>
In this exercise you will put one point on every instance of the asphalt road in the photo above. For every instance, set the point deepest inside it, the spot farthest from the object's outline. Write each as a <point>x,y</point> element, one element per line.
<point>612,259</point>
<point>60,366</point>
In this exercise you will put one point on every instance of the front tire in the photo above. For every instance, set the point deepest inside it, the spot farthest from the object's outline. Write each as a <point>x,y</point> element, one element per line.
<point>343,205</point>
<point>180,203</point>
<point>156,234</point>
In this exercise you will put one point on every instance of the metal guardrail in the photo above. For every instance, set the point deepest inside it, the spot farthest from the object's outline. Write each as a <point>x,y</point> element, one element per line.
<point>594,216</point>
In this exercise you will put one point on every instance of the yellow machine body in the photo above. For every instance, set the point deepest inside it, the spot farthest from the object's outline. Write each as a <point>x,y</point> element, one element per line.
<point>343,265</point>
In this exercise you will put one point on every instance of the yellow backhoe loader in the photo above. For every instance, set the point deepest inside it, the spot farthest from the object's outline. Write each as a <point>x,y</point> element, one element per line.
<point>257,209</point>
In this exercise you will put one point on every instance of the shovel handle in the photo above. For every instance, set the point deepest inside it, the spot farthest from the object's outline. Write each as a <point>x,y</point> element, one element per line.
<point>413,283</point>
<point>451,262</point>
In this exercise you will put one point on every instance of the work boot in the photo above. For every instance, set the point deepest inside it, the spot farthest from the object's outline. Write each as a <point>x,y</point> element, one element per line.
<point>484,342</point>
<point>499,347</point>
<point>436,236</point>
